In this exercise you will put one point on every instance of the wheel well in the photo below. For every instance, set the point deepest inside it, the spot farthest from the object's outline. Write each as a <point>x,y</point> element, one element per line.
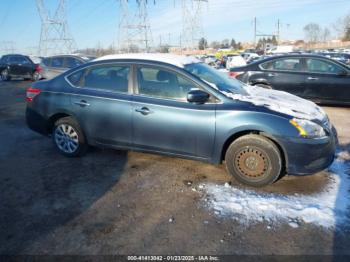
<point>247,132</point>
<point>53,119</point>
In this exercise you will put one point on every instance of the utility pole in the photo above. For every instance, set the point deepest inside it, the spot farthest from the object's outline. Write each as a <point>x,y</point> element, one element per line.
<point>278,31</point>
<point>54,37</point>
<point>254,31</point>
<point>134,29</point>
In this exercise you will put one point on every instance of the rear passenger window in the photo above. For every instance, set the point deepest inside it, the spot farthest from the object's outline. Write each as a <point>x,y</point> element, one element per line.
<point>57,62</point>
<point>288,64</point>
<point>107,78</point>
<point>72,62</point>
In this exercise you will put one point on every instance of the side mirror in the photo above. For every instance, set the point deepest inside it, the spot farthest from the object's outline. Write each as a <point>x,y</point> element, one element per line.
<point>197,96</point>
<point>342,73</point>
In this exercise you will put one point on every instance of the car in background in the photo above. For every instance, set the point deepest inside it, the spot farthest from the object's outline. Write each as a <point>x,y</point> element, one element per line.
<point>340,57</point>
<point>20,66</point>
<point>59,64</point>
<point>235,60</point>
<point>210,60</point>
<point>313,77</point>
<point>179,106</point>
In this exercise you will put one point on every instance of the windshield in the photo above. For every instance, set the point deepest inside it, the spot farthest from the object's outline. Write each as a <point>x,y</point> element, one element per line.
<point>216,79</point>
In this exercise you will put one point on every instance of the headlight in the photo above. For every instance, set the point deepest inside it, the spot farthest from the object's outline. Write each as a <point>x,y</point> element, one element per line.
<point>308,129</point>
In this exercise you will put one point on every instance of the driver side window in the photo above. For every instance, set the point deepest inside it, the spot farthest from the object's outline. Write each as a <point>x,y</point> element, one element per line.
<point>160,83</point>
<point>320,66</point>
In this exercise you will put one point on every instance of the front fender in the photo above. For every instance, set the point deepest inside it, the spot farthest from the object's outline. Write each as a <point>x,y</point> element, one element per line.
<point>232,124</point>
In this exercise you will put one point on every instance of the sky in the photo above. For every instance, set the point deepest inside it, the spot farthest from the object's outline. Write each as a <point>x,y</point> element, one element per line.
<point>95,22</point>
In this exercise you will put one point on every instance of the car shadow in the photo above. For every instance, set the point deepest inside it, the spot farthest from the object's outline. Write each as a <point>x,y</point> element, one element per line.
<point>41,190</point>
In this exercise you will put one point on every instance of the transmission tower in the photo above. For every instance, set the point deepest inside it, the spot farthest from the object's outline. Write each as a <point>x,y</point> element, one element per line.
<point>54,37</point>
<point>134,27</point>
<point>192,29</point>
<point>7,47</point>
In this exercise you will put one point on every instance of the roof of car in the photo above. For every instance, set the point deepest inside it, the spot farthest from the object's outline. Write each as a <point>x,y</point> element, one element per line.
<point>177,60</point>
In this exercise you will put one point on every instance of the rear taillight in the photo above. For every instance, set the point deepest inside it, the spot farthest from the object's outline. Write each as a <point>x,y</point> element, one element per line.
<point>38,69</point>
<point>235,74</point>
<point>31,93</point>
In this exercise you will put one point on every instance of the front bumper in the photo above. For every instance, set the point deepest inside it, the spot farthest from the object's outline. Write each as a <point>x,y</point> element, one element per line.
<point>308,156</point>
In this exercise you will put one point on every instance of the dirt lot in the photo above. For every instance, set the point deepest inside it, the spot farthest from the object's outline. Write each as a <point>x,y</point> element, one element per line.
<point>115,202</point>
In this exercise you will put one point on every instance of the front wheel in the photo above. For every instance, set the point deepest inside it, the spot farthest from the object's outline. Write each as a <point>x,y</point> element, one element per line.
<point>254,160</point>
<point>69,138</point>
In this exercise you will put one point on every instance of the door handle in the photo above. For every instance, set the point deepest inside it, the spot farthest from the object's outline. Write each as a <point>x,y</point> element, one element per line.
<point>312,78</point>
<point>271,74</point>
<point>82,103</point>
<point>143,110</point>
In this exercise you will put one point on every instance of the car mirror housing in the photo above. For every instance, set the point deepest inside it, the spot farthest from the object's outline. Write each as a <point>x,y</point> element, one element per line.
<point>197,96</point>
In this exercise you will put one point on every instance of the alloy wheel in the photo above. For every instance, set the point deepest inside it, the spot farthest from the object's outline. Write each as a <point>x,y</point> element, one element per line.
<point>66,138</point>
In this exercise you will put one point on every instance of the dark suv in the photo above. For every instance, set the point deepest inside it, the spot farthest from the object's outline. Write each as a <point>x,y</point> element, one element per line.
<point>179,106</point>
<point>19,66</point>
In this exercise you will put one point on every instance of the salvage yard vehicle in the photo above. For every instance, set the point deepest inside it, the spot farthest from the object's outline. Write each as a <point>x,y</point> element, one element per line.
<point>313,77</point>
<point>22,66</point>
<point>56,65</point>
<point>181,107</point>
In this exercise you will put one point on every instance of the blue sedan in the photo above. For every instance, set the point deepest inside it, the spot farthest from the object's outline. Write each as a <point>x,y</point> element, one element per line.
<point>179,106</point>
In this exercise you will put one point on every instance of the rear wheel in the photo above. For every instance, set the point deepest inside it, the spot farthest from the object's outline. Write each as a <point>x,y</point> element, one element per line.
<point>254,160</point>
<point>69,138</point>
<point>36,76</point>
<point>5,75</point>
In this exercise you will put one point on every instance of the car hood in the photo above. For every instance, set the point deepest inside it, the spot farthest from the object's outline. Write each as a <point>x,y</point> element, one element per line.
<point>281,102</point>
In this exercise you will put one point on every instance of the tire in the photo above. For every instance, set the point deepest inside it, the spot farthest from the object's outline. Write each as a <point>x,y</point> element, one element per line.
<point>69,138</point>
<point>264,86</point>
<point>254,160</point>
<point>5,75</point>
<point>36,76</point>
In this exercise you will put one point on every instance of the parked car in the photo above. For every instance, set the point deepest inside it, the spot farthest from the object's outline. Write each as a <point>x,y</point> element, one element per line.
<point>313,77</point>
<point>235,61</point>
<point>15,65</point>
<point>210,59</point>
<point>340,57</point>
<point>179,106</point>
<point>56,65</point>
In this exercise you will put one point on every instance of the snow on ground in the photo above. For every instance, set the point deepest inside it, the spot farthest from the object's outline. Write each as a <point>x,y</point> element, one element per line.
<point>328,208</point>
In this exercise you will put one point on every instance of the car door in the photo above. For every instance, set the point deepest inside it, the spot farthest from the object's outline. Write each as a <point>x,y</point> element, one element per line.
<point>164,121</point>
<point>286,74</point>
<point>327,81</point>
<point>101,102</point>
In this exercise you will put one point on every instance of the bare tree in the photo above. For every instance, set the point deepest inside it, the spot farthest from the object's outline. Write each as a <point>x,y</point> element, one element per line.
<point>326,34</point>
<point>312,32</point>
<point>342,26</point>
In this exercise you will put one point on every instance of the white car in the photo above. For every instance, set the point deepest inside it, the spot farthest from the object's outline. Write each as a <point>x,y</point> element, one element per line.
<point>235,61</point>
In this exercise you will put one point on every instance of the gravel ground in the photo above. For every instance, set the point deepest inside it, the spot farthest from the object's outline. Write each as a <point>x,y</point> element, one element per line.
<point>118,202</point>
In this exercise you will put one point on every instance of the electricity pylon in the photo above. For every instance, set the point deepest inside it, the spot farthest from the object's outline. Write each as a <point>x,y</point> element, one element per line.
<point>134,27</point>
<point>54,37</point>
<point>192,29</point>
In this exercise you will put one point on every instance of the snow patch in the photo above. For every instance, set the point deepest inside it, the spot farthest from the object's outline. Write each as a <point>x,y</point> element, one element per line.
<point>328,208</point>
<point>280,101</point>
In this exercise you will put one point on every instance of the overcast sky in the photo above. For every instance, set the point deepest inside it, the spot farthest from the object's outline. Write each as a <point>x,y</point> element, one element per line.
<point>96,21</point>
